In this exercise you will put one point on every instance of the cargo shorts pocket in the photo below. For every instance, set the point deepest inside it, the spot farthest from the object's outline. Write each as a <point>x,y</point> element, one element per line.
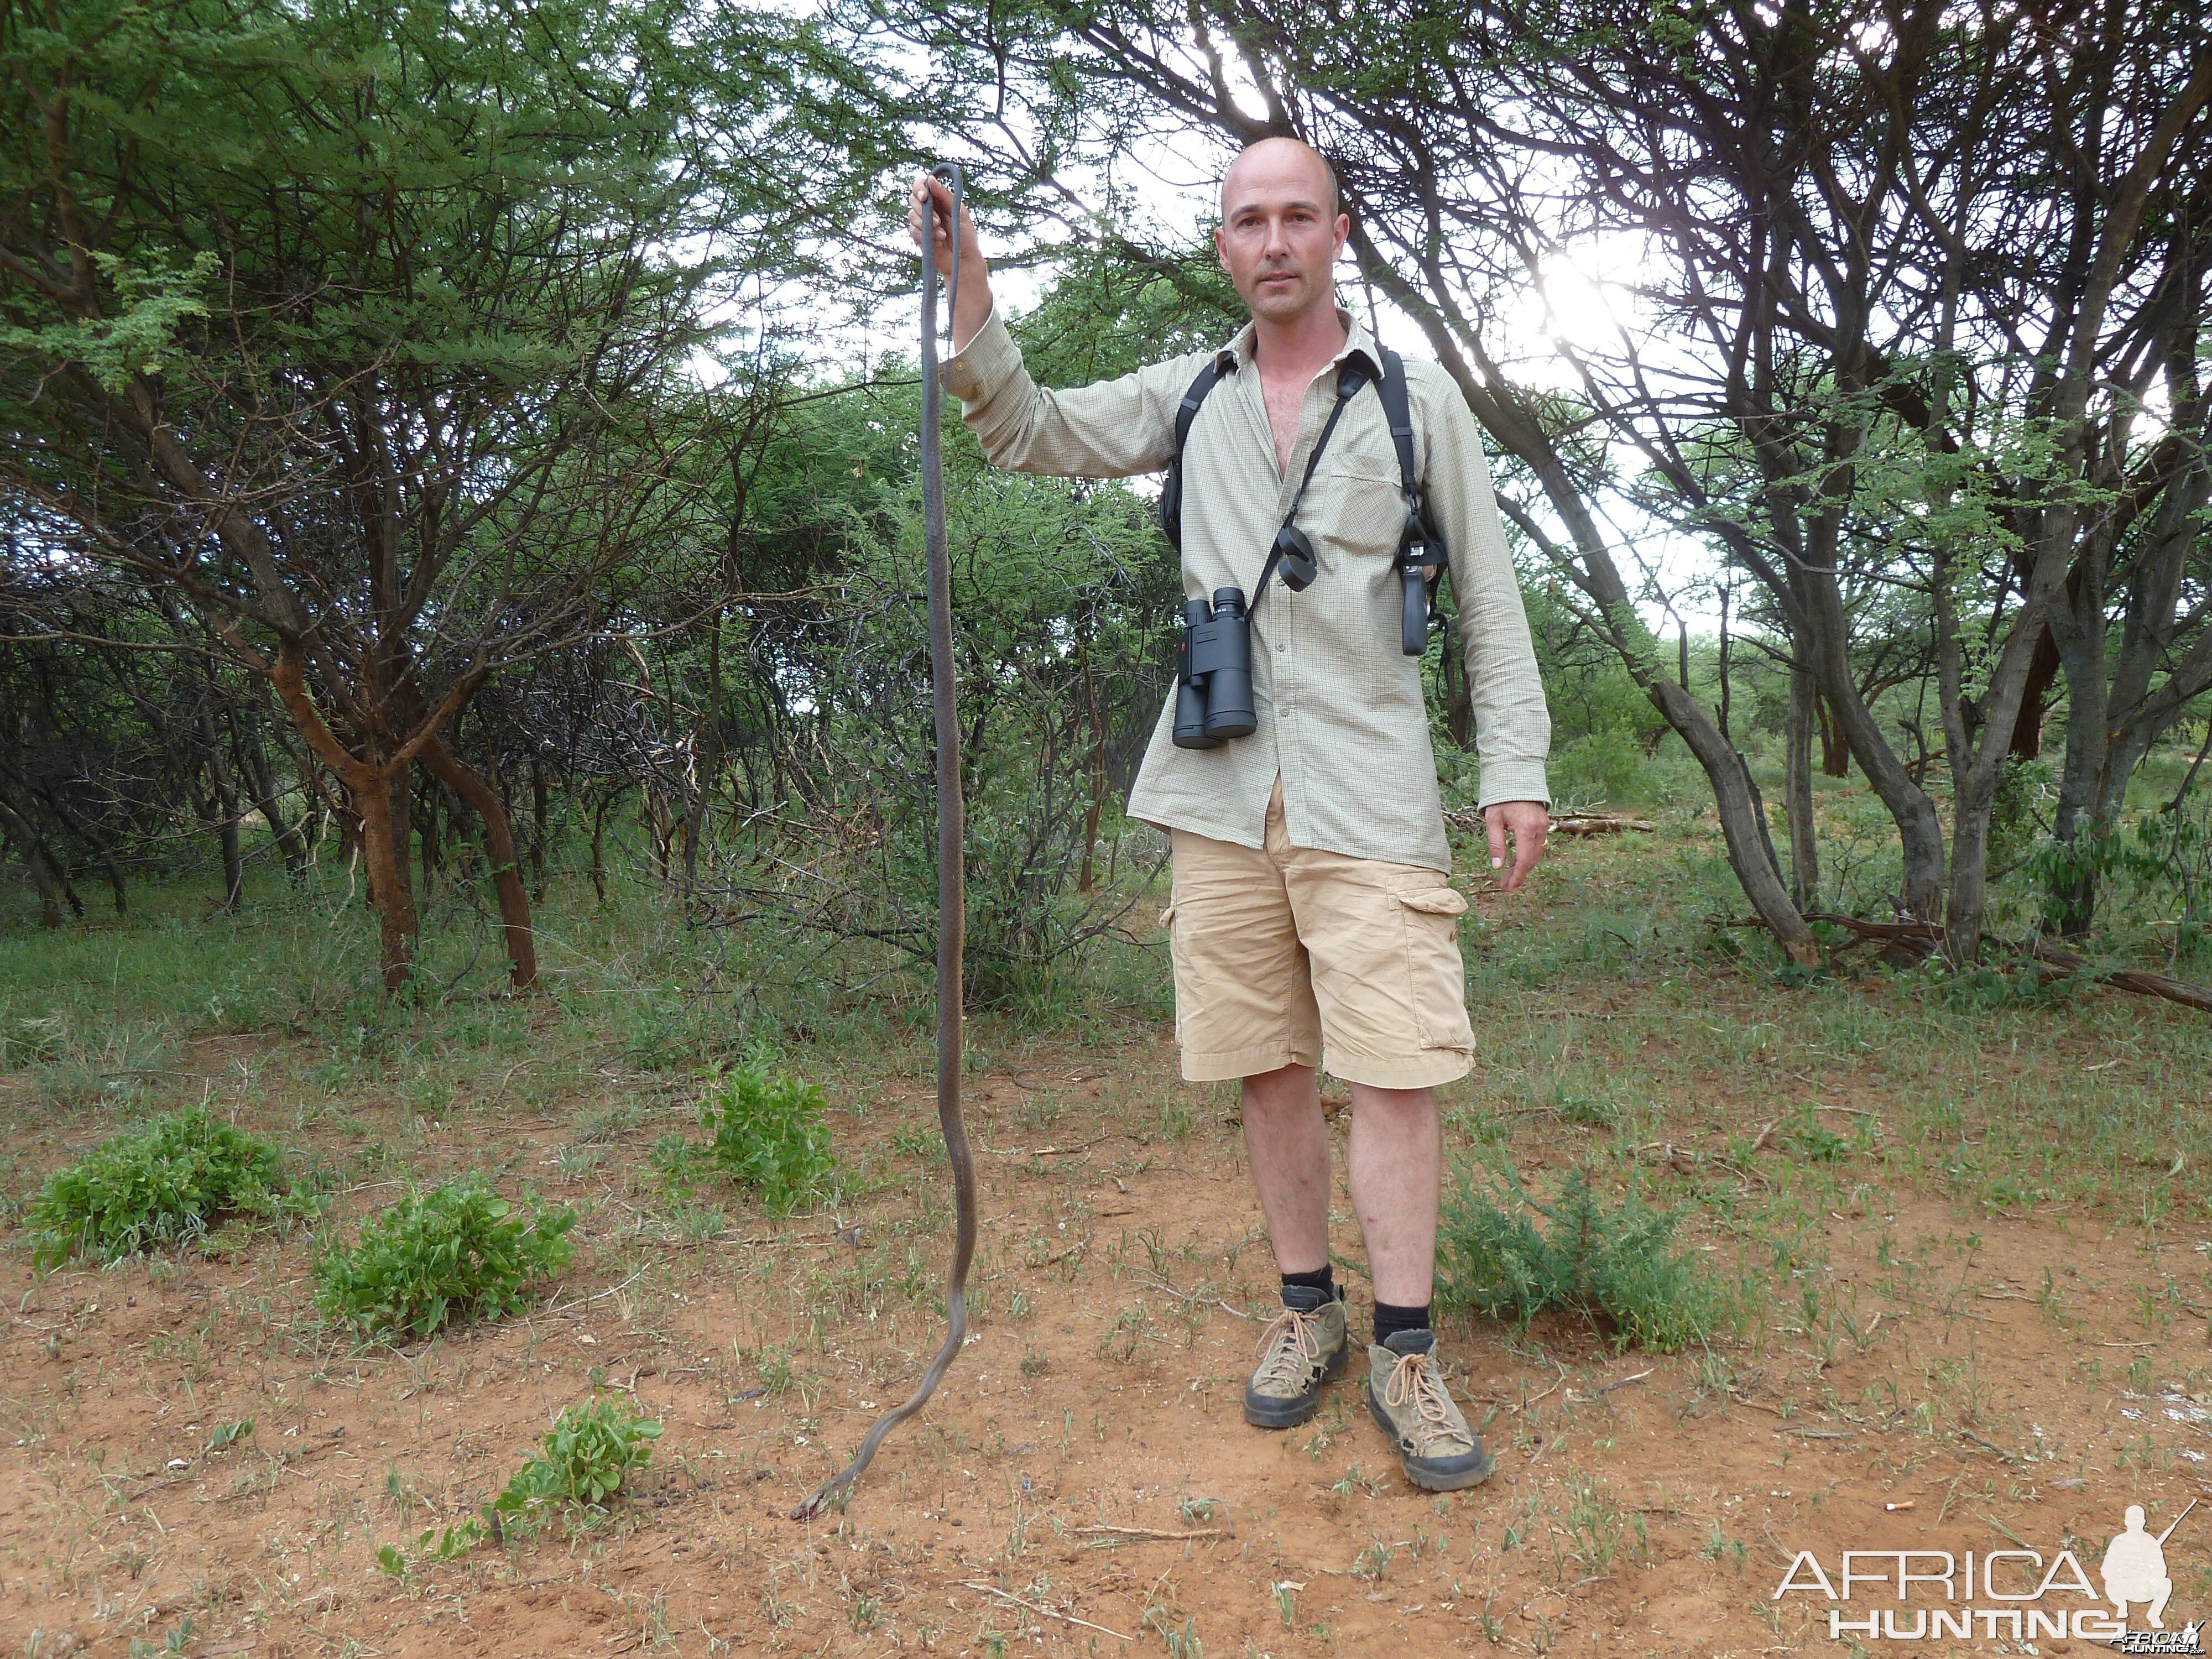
<point>1437,977</point>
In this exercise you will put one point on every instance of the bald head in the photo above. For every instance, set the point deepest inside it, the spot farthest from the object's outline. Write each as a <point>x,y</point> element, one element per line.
<point>1277,162</point>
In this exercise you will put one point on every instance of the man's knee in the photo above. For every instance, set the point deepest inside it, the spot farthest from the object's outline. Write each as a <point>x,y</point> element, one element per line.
<point>1287,1088</point>
<point>1404,1103</point>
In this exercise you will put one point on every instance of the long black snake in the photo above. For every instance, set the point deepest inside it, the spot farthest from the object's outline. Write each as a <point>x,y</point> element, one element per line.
<point>951,887</point>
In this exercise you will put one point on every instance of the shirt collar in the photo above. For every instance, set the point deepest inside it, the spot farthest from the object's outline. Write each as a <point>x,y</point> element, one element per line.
<point>1357,343</point>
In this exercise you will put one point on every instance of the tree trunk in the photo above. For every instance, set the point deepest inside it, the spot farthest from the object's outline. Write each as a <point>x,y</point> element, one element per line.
<point>1804,846</point>
<point>225,794</point>
<point>2034,701</point>
<point>253,766</point>
<point>48,884</point>
<point>598,846</point>
<point>44,874</point>
<point>694,826</point>
<point>1968,900</point>
<point>1835,750</point>
<point>433,853</point>
<point>384,857</point>
<point>540,807</point>
<point>1743,820</point>
<point>1459,690</point>
<point>2070,901</point>
<point>114,872</point>
<point>506,870</point>
<point>1086,876</point>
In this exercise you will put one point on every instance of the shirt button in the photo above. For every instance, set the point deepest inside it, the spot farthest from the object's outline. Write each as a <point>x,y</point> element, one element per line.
<point>1281,645</point>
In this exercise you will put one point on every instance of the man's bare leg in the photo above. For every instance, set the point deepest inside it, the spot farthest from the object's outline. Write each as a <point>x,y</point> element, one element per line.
<point>1288,1144</point>
<point>1397,1163</point>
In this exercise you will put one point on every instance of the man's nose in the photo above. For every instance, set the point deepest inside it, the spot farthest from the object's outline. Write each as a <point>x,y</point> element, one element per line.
<point>1278,241</point>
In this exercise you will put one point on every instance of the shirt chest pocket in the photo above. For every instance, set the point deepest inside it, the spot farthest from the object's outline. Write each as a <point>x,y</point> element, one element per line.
<point>1356,504</point>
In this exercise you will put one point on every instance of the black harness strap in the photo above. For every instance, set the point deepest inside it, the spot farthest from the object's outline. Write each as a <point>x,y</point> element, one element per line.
<point>1171,490</point>
<point>1420,549</point>
<point>1421,559</point>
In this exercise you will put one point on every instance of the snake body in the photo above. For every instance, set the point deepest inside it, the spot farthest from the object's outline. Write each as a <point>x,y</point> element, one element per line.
<point>951,887</point>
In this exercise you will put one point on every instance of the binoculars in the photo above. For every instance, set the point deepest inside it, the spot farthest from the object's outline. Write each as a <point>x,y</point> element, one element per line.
<point>1213,673</point>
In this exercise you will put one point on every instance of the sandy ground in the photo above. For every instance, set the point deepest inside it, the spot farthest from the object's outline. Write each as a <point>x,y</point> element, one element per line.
<point>1084,1482</point>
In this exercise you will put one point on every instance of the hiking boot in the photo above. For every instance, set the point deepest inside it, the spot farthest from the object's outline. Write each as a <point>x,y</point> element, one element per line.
<point>1302,1348</point>
<point>1405,1391</point>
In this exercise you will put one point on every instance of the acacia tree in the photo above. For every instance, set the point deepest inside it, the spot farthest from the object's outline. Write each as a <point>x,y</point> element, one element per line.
<point>357,334</point>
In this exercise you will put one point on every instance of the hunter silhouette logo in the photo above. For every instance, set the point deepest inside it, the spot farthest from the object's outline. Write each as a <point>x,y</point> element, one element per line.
<point>2024,1595</point>
<point>2135,1571</point>
<point>2135,1567</point>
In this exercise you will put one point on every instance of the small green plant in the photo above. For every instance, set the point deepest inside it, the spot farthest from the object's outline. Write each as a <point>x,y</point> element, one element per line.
<point>165,1182</point>
<point>228,1434</point>
<point>1815,1141</point>
<point>459,1250</point>
<point>678,1163</point>
<point>585,1456</point>
<point>768,1135</point>
<point>584,1459</point>
<point>1608,1263</point>
<point>177,1641</point>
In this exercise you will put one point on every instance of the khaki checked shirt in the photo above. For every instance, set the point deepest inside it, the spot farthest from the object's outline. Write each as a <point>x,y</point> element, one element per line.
<point>1340,713</point>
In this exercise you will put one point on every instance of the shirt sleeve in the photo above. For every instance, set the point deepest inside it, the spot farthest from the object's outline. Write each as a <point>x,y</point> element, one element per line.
<point>1513,727</point>
<point>1107,430</point>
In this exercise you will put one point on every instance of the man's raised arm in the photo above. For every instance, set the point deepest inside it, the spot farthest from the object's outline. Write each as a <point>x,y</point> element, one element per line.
<point>1107,430</point>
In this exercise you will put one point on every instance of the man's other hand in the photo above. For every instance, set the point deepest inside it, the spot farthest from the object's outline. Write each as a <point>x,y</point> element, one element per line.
<point>1527,822</point>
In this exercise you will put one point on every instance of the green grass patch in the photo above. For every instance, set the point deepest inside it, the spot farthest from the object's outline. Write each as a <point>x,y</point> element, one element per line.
<point>456,1251</point>
<point>164,1183</point>
<point>768,1135</point>
<point>1505,1253</point>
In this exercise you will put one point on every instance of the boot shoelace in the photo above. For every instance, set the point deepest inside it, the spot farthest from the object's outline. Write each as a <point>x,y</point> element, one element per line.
<point>1415,1378</point>
<point>1290,1344</point>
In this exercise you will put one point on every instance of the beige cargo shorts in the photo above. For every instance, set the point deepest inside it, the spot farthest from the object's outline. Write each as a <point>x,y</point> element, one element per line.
<point>1284,956</point>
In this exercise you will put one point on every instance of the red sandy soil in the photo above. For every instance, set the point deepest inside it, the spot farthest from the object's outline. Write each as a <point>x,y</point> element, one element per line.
<point>1083,1482</point>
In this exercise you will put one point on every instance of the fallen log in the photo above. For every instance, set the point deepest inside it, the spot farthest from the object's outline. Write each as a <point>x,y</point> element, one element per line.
<point>2128,979</point>
<point>1567,824</point>
<point>2068,964</point>
<point>1598,823</point>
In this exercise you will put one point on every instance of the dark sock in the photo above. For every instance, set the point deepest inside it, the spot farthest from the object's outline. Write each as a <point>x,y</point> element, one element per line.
<point>1390,1318</point>
<point>1321,1279</point>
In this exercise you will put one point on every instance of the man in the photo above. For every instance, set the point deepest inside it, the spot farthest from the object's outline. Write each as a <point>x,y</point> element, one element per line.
<point>1311,920</point>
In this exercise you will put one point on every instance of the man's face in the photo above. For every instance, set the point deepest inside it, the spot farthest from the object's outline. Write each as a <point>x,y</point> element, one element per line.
<point>1276,240</point>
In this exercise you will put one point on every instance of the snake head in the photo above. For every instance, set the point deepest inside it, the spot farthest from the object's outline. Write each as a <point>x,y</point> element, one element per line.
<point>831,1494</point>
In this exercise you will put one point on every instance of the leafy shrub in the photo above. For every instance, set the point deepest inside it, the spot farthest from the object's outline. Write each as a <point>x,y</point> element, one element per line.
<point>458,1249</point>
<point>1611,1264</point>
<point>164,1182</point>
<point>585,1456</point>
<point>769,1134</point>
